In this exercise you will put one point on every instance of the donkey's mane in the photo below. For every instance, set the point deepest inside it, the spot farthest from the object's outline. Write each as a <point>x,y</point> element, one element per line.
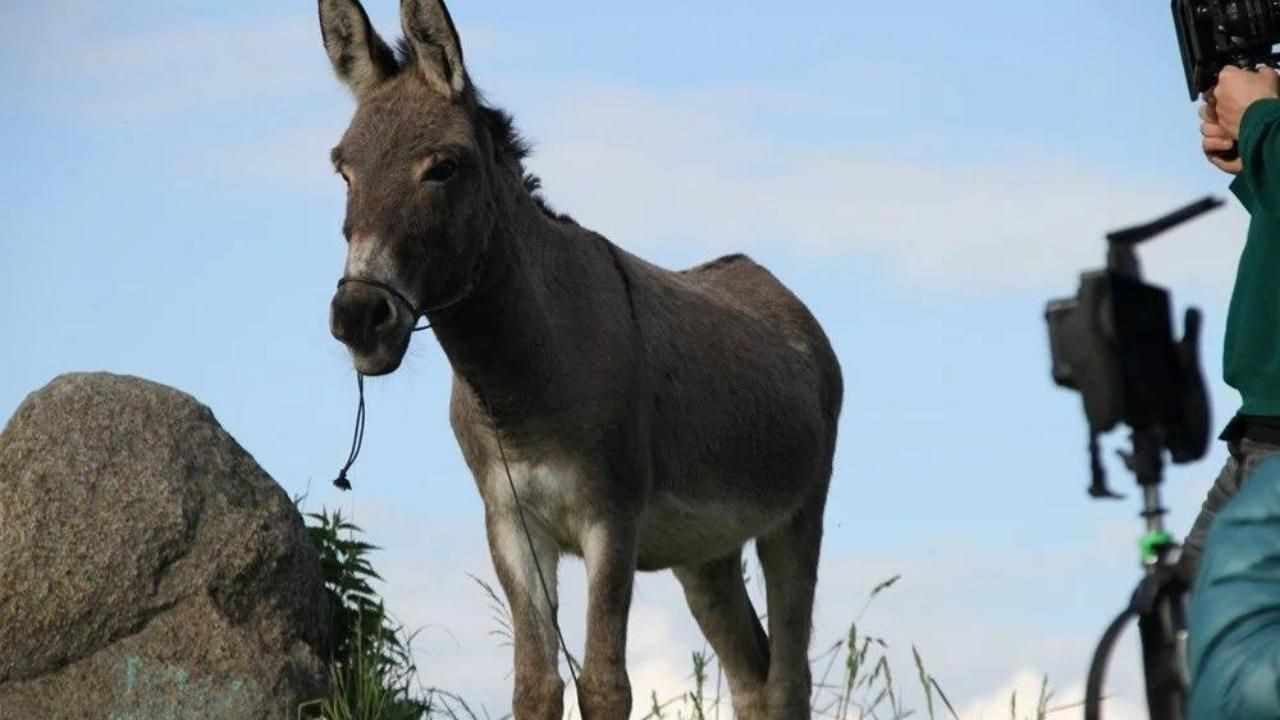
<point>510,148</point>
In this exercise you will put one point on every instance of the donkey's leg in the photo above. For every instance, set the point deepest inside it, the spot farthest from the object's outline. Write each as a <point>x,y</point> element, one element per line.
<point>604,690</point>
<point>718,598</point>
<point>539,691</point>
<point>789,557</point>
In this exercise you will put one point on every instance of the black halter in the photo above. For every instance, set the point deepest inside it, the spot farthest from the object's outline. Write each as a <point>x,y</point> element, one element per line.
<point>357,440</point>
<point>399,296</point>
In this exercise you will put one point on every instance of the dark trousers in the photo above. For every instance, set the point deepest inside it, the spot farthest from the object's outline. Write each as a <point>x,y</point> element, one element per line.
<point>1245,455</point>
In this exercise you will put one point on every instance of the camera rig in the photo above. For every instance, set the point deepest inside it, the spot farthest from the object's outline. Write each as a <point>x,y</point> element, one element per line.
<point>1213,34</point>
<point>1113,342</point>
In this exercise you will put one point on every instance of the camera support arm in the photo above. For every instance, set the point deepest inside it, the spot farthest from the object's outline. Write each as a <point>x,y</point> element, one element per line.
<point>1121,256</point>
<point>1138,234</point>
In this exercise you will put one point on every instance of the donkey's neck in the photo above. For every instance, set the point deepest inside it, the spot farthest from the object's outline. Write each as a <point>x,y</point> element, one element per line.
<point>503,340</point>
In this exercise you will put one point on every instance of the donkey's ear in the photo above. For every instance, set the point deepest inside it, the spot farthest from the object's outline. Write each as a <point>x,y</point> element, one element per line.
<point>430,33</point>
<point>360,58</point>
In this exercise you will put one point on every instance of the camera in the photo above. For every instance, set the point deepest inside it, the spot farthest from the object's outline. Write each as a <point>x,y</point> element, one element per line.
<point>1215,33</point>
<point>1114,343</point>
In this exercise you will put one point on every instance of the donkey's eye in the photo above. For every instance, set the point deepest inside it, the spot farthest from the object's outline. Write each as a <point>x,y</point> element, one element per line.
<point>440,172</point>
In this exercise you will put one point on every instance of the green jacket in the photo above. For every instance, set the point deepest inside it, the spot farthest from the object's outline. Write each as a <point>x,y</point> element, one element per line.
<point>1234,617</point>
<point>1251,361</point>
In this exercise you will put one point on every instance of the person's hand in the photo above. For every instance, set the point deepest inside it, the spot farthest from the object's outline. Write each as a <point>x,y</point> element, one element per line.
<point>1238,89</point>
<point>1217,143</point>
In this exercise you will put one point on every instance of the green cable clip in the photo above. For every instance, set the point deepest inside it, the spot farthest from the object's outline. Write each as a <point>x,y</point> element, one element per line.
<point>1152,543</point>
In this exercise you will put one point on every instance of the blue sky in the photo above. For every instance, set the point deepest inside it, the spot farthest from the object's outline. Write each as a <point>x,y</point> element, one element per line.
<point>925,175</point>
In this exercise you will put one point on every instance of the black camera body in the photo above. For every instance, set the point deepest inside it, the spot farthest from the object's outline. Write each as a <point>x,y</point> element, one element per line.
<point>1213,34</point>
<point>1114,343</point>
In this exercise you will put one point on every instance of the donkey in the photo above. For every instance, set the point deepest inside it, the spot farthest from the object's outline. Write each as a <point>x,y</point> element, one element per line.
<point>640,418</point>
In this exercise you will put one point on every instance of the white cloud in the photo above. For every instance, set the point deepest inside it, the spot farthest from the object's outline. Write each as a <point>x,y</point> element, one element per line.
<point>658,174</point>
<point>649,170</point>
<point>652,170</point>
<point>657,171</point>
<point>148,69</point>
<point>299,160</point>
<point>1019,697</point>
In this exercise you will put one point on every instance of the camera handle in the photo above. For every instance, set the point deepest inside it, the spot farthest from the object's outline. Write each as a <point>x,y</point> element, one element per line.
<point>1157,602</point>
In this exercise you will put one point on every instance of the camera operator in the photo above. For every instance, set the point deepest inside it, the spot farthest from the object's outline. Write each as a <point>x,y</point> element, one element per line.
<point>1234,618</point>
<point>1243,111</point>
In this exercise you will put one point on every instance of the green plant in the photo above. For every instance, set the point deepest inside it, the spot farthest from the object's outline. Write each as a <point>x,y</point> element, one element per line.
<point>366,687</point>
<point>864,690</point>
<point>1041,708</point>
<point>355,611</point>
<point>371,669</point>
<point>372,675</point>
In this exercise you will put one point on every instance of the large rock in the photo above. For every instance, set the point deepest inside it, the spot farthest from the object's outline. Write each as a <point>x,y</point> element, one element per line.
<point>148,567</point>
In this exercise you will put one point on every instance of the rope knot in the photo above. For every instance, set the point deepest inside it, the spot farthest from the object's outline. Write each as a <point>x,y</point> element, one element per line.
<point>357,439</point>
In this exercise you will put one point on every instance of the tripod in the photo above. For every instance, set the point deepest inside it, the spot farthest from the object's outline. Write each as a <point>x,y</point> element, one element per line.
<point>1157,602</point>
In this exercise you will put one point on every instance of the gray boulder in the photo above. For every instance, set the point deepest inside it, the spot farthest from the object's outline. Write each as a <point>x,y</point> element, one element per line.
<point>149,568</point>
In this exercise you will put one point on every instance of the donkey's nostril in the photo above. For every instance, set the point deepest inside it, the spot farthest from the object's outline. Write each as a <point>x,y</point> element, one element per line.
<point>381,314</point>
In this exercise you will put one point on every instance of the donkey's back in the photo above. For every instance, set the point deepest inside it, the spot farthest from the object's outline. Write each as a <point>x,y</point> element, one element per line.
<point>746,398</point>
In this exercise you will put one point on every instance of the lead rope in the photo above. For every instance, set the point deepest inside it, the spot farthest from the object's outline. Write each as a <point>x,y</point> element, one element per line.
<point>343,483</point>
<point>357,439</point>
<point>537,564</point>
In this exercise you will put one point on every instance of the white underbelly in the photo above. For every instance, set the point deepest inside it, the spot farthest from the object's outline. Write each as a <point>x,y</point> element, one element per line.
<point>674,531</point>
<point>550,494</point>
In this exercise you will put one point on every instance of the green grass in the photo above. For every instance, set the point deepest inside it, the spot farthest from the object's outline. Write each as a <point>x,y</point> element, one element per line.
<point>853,680</point>
<point>372,674</point>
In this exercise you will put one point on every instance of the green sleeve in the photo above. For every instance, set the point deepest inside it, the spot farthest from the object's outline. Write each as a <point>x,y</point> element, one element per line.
<point>1240,188</point>
<point>1234,617</point>
<point>1258,185</point>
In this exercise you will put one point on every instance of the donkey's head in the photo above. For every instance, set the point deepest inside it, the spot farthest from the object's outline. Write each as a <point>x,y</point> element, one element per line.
<point>419,172</point>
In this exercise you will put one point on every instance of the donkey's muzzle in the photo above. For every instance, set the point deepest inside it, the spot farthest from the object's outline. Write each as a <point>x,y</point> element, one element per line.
<point>371,323</point>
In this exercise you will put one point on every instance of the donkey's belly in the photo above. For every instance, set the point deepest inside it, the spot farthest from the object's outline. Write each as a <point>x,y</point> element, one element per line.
<point>675,531</point>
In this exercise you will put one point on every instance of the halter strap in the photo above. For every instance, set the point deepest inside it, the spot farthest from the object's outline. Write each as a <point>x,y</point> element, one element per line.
<point>383,286</point>
<point>417,313</point>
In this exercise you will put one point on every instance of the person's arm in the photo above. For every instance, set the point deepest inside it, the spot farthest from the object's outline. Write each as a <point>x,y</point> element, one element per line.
<point>1240,188</point>
<point>1234,617</point>
<point>1217,143</point>
<point>1242,111</point>
<point>1260,156</point>
<point>1219,148</point>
